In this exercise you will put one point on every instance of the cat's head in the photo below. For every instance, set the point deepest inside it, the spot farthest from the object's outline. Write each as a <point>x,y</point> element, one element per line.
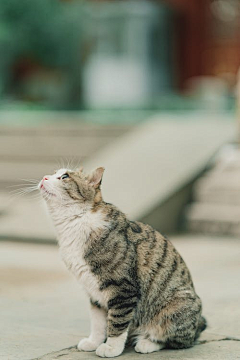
<point>68,186</point>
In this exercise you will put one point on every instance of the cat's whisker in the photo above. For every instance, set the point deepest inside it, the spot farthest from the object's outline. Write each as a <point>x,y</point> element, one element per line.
<point>16,196</point>
<point>24,191</point>
<point>27,188</point>
<point>18,185</point>
<point>67,163</point>
<point>61,163</point>
<point>27,183</point>
<point>75,163</point>
<point>72,162</point>
<point>58,163</point>
<point>78,164</point>
<point>34,181</point>
<point>69,160</point>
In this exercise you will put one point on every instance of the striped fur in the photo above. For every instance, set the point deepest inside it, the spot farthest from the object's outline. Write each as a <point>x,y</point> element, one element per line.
<point>133,275</point>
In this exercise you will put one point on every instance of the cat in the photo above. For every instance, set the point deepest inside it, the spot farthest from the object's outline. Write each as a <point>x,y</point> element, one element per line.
<point>139,287</point>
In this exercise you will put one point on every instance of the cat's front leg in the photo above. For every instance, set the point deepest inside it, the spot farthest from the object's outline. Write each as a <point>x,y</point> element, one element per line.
<point>120,314</point>
<point>98,329</point>
<point>113,347</point>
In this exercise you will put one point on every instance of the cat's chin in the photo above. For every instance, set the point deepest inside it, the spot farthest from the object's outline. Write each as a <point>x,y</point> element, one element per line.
<point>46,194</point>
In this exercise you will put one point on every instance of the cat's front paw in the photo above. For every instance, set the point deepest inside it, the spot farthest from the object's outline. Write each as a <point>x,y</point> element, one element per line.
<point>105,350</point>
<point>87,345</point>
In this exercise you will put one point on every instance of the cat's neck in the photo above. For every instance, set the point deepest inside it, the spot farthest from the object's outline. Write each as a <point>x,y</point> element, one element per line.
<point>67,212</point>
<point>77,222</point>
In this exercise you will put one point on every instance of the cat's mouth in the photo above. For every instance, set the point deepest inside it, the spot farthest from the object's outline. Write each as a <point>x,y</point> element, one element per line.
<point>46,191</point>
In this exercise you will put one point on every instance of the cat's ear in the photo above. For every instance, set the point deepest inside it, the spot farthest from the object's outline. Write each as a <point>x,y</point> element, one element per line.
<point>95,178</point>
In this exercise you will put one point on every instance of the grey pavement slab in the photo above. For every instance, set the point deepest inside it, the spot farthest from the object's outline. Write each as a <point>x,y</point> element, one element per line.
<point>44,310</point>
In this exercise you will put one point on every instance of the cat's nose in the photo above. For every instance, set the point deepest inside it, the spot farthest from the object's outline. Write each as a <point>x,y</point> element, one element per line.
<point>45,178</point>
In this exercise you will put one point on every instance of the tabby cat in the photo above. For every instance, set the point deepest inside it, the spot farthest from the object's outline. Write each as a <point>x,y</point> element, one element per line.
<point>139,287</point>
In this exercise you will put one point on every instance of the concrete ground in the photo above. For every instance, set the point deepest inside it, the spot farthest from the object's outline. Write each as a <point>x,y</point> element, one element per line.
<point>43,309</point>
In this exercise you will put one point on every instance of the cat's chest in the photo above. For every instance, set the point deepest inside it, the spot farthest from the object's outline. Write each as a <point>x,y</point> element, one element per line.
<point>74,241</point>
<point>73,257</point>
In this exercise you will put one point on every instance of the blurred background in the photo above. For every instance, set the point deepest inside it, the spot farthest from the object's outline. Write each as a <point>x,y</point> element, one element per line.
<point>126,85</point>
<point>66,55</point>
<point>148,89</point>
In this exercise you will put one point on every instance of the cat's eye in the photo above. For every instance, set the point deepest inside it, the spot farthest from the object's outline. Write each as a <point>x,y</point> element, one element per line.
<point>64,176</point>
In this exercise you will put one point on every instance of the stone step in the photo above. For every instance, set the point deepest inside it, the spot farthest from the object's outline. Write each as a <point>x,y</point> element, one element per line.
<point>68,127</point>
<point>218,187</point>
<point>213,218</point>
<point>29,152</point>
<point>145,169</point>
<point>44,148</point>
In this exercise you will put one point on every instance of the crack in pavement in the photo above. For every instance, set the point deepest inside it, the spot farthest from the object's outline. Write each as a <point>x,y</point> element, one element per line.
<point>55,352</point>
<point>227,338</point>
<point>200,342</point>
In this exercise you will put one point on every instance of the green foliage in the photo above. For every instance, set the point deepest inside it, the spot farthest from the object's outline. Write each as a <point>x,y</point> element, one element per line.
<point>47,30</point>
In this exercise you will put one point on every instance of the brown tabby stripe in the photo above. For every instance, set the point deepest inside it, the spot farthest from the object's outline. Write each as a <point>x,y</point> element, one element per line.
<point>95,303</point>
<point>165,283</point>
<point>120,299</point>
<point>131,304</point>
<point>120,325</point>
<point>123,314</point>
<point>117,283</point>
<point>78,188</point>
<point>159,265</point>
<point>120,260</point>
<point>150,254</point>
<point>71,196</point>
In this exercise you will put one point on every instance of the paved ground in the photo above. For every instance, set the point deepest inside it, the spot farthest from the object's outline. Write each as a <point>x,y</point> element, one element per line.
<point>43,310</point>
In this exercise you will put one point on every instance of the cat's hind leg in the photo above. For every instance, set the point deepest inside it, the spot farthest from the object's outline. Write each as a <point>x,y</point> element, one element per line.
<point>148,339</point>
<point>182,321</point>
<point>186,335</point>
<point>146,346</point>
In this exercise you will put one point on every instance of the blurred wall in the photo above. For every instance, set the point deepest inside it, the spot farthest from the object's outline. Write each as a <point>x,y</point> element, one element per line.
<point>209,38</point>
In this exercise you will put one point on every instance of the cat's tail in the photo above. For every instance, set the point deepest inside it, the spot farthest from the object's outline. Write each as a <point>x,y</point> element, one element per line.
<point>201,326</point>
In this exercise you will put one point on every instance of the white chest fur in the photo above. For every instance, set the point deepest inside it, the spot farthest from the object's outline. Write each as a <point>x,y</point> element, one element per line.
<point>73,232</point>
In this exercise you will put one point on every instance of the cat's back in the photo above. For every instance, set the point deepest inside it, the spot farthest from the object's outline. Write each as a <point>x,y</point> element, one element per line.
<point>158,260</point>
